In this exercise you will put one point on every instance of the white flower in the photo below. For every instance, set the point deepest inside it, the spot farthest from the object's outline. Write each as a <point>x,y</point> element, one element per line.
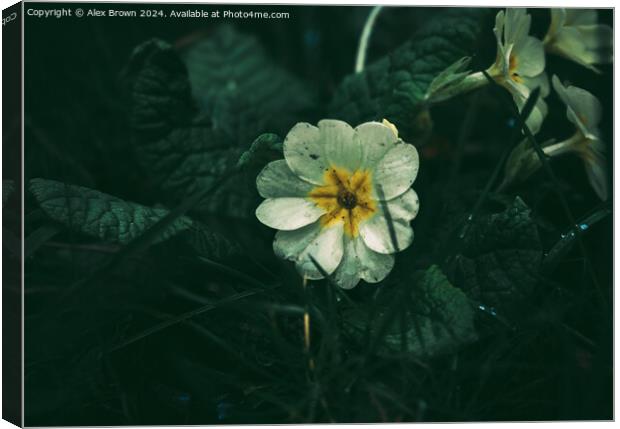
<point>327,199</point>
<point>584,110</point>
<point>520,62</point>
<point>575,34</point>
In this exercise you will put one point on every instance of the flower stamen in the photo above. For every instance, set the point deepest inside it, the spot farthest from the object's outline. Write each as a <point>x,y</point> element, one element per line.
<point>346,197</point>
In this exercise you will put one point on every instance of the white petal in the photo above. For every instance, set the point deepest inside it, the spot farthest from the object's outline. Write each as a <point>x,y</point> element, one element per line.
<point>516,25</point>
<point>304,154</point>
<point>340,144</point>
<point>582,108</point>
<point>558,17</point>
<point>376,234</point>
<point>290,244</point>
<point>396,171</point>
<point>374,266</point>
<point>327,249</point>
<point>586,45</point>
<point>404,207</point>
<point>375,139</point>
<point>540,81</point>
<point>530,56</point>
<point>598,41</point>
<point>347,275</point>
<point>520,94</point>
<point>288,213</point>
<point>580,17</point>
<point>277,180</point>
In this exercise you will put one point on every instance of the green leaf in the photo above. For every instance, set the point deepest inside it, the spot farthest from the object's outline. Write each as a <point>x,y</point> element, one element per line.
<point>395,86</point>
<point>193,120</point>
<point>8,186</point>
<point>452,75</point>
<point>266,148</point>
<point>232,76</point>
<point>209,244</point>
<point>501,258</point>
<point>434,318</point>
<point>100,215</point>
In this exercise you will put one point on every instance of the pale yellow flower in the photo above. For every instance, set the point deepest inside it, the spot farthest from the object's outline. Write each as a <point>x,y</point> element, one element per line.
<point>331,195</point>
<point>576,35</point>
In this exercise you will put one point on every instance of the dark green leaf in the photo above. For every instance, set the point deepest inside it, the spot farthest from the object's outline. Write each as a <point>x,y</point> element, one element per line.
<point>266,148</point>
<point>100,215</point>
<point>433,319</point>
<point>394,87</point>
<point>185,145</point>
<point>242,89</point>
<point>501,257</point>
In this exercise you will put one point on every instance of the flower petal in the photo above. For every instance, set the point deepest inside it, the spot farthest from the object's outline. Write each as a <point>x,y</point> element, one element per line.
<point>376,234</point>
<point>327,250</point>
<point>290,244</point>
<point>347,275</point>
<point>520,94</point>
<point>374,266</point>
<point>396,171</point>
<point>324,244</point>
<point>516,25</point>
<point>340,144</point>
<point>375,139</point>
<point>540,81</point>
<point>580,16</point>
<point>582,108</point>
<point>277,180</point>
<point>587,45</point>
<point>288,213</point>
<point>530,55</point>
<point>404,207</point>
<point>304,154</point>
<point>558,18</point>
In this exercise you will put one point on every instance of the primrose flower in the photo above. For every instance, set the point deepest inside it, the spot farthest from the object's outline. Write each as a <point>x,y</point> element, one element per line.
<point>520,62</point>
<point>576,35</point>
<point>584,111</point>
<point>332,195</point>
<point>519,67</point>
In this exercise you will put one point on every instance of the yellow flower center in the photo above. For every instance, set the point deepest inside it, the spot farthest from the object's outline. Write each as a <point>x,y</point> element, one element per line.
<point>346,197</point>
<point>512,69</point>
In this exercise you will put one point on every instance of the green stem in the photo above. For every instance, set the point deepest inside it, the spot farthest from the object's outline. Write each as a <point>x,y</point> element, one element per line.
<point>365,37</point>
<point>568,145</point>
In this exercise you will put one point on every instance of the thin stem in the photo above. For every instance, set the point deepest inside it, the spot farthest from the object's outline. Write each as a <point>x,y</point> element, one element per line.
<point>565,146</point>
<point>365,37</point>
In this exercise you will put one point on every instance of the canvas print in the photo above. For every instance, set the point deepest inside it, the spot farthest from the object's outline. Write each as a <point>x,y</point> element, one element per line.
<point>286,214</point>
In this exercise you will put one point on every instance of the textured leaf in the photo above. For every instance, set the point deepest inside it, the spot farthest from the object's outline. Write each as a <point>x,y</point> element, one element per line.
<point>186,146</point>
<point>208,243</point>
<point>452,75</point>
<point>100,215</point>
<point>435,318</point>
<point>394,87</point>
<point>266,148</point>
<point>501,257</point>
<point>245,92</point>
